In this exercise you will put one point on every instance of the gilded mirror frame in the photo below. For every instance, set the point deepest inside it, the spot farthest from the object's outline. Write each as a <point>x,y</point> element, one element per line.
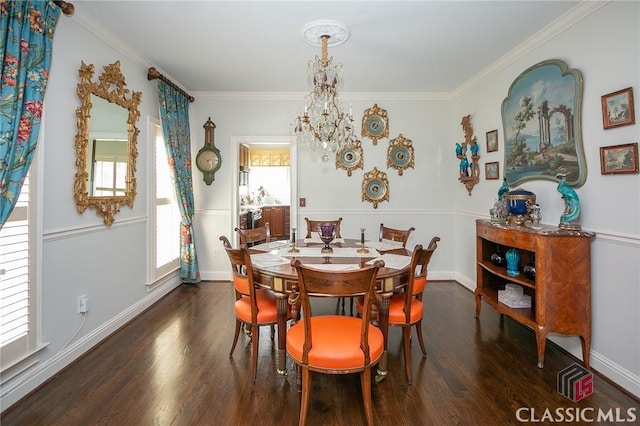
<point>400,154</point>
<point>110,87</point>
<point>375,187</point>
<point>349,157</point>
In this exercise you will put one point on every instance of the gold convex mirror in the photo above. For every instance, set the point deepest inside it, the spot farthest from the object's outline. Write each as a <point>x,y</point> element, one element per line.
<point>106,142</point>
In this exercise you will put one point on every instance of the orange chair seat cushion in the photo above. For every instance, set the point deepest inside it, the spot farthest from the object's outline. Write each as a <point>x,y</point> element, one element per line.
<point>396,310</point>
<point>266,303</point>
<point>336,342</point>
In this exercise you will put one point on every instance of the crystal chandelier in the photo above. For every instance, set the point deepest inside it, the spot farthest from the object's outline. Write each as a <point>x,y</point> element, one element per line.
<point>324,126</point>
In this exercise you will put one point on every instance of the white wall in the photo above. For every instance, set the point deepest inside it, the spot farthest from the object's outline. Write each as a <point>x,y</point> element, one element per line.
<point>605,48</point>
<point>421,196</point>
<point>81,256</point>
<point>428,197</point>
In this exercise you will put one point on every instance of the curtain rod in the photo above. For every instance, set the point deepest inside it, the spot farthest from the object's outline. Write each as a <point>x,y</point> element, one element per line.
<point>153,73</point>
<point>66,7</point>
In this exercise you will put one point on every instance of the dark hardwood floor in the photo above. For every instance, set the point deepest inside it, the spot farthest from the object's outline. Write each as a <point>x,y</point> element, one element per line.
<point>171,366</point>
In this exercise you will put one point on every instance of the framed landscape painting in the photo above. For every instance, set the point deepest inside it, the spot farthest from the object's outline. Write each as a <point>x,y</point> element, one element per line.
<point>492,140</point>
<point>619,159</point>
<point>542,120</point>
<point>491,170</point>
<point>617,109</point>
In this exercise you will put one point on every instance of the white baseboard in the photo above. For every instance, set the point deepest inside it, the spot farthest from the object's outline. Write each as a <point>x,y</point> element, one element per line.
<point>39,373</point>
<point>604,366</point>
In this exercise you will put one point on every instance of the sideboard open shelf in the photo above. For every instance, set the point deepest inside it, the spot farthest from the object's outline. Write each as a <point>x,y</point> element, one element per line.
<point>561,290</point>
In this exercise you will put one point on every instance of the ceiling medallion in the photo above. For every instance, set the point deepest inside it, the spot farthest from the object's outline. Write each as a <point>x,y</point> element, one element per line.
<point>313,31</point>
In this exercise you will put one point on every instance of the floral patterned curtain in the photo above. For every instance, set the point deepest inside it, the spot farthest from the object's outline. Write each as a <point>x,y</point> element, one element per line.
<point>26,40</point>
<point>174,113</point>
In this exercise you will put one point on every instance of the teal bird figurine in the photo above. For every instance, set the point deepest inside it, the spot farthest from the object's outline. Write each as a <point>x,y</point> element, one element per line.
<point>503,189</point>
<point>474,148</point>
<point>569,218</point>
<point>458,150</point>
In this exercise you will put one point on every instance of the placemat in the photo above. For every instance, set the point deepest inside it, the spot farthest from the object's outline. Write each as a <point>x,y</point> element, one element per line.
<point>272,245</point>
<point>316,252</point>
<point>334,266</point>
<point>264,260</point>
<point>393,261</point>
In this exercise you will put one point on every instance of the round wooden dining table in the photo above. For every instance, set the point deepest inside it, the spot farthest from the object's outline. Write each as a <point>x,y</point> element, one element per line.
<point>282,279</point>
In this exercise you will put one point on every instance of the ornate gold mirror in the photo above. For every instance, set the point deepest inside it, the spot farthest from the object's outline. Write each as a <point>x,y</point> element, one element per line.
<point>106,142</point>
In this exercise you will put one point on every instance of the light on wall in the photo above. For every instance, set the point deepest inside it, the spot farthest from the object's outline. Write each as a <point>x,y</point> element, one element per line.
<point>324,126</point>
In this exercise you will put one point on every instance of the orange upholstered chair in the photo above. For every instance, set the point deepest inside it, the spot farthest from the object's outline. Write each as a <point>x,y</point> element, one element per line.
<point>398,235</point>
<point>312,226</point>
<point>406,308</point>
<point>249,237</point>
<point>335,344</point>
<point>254,307</point>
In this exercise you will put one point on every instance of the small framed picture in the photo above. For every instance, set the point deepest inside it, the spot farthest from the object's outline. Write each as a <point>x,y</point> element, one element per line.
<point>617,109</point>
<point>492,170</point>
<point>492,140</point>
<point>619,159</point>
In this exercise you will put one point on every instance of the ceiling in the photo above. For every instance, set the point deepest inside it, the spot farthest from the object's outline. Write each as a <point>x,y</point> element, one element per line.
<point>393,46</point>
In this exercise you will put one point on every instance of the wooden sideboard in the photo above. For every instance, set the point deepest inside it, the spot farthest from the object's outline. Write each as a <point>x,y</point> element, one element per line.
<point>561,289</point>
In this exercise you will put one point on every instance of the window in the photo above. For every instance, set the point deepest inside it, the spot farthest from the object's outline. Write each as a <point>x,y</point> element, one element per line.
<point>109,173</point>
<point>18,336</point>
<point>166,215</point>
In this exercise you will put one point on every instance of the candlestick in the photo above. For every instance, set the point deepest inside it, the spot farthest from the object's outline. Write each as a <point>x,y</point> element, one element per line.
<point>293,248</point>
<point>362,249</point>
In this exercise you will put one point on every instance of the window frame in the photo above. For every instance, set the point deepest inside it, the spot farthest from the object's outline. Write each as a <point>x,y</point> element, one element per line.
<point>21,354</point>
<point>157,274</point>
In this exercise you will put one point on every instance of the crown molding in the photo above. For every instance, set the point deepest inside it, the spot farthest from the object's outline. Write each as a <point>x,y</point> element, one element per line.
<point>298,96</point>
<point>96,27</point>
<point>558,26</point>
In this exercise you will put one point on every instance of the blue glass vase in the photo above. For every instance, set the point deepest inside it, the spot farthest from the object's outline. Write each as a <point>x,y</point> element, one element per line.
<point>513,262</point>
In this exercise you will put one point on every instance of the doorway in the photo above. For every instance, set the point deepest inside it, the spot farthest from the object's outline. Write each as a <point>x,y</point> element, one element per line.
<point>278,183</point>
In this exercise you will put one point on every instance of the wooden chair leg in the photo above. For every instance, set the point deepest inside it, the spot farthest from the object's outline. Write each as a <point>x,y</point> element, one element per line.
<point>406,340</point>
<point>255,339</point>
<point>420,339</point>
<point>235,337</point>
<point>304,398</point>
<point>365,383</point>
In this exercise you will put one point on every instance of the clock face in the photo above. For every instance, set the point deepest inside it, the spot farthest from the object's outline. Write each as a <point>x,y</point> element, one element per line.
<point>208,161</point>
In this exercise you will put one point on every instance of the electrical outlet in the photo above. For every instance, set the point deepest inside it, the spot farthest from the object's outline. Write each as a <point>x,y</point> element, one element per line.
<point>303,202</point>
<point>83,304</point>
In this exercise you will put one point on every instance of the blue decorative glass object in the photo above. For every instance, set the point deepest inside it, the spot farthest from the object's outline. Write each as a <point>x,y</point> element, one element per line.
<point>513,262</point>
